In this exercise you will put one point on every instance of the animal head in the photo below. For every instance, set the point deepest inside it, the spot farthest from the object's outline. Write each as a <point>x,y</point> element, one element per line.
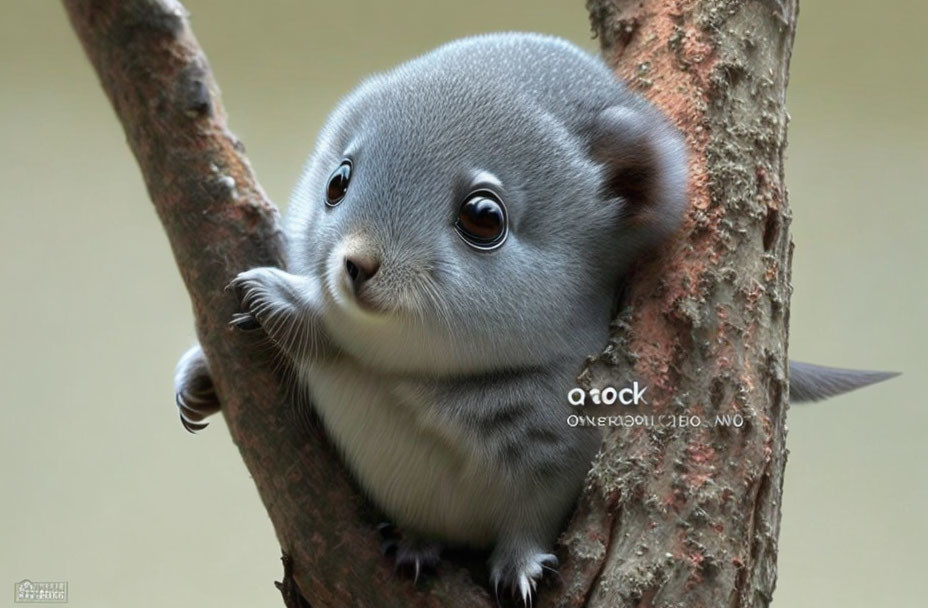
<point>473,209</point>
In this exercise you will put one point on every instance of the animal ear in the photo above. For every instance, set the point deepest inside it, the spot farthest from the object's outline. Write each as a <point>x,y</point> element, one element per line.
<point>645,166</point>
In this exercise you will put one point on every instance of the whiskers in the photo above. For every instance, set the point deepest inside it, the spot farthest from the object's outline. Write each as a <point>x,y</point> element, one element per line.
<point>429,303</point>
<point>426,302</point>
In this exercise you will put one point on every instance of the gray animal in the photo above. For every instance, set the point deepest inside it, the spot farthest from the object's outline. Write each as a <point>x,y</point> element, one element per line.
<point>454,246</point>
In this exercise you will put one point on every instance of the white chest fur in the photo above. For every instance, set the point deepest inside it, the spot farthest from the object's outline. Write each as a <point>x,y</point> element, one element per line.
<point>415,465</point>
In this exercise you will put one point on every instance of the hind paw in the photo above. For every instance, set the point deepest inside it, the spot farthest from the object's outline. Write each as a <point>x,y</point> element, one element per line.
<point>520,573</point>
<point>410,553</point>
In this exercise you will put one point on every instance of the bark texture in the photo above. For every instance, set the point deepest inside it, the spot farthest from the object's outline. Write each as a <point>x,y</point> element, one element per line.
<point>672,516</point>
<point>687,515</point>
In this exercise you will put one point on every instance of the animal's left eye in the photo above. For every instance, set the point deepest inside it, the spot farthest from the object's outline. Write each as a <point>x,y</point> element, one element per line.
<point>482,221</point>
<point>337,186</point>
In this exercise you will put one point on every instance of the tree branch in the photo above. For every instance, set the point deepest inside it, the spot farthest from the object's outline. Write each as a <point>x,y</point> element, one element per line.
<point>219,223</point>
<point>668,511</point>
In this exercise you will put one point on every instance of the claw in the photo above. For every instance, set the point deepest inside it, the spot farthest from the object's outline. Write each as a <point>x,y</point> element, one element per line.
<point>185,408</point>
<point>526,590</point>
<point>549,562</point>
<point>522,575</point>
<point>195,408</point>
<point>192,427</point>
<point>194,392</point>
<point>192,417</point>
<point>199,398</point>
<point>244,321</point>
<point>411,554</point>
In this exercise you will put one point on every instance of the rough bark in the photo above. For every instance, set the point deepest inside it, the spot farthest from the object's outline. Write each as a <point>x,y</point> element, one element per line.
<point>690,515</point>
<point>671,516</point>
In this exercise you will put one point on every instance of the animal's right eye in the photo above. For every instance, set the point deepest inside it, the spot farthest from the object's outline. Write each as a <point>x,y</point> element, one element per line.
<point>337,186</point>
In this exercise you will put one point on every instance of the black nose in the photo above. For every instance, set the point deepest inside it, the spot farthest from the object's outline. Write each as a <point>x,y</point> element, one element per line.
<point>360,269</point>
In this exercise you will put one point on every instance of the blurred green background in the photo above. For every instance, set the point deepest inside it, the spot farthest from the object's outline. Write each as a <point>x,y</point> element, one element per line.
<point>101,486</point>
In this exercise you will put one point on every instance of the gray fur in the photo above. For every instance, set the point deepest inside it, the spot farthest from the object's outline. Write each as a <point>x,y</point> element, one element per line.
<point>443,378</point>
<point>810,382</point>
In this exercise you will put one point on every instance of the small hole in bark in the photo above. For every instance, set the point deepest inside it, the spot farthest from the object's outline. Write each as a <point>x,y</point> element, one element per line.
<point>771,228</point>
<point>194,94</point>
<point>717,392</point>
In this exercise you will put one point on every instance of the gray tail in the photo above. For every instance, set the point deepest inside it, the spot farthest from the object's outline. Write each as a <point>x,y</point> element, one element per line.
<point>810,382</point>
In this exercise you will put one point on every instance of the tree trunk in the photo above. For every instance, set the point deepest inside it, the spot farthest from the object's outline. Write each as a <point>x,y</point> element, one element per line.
<point>690,515</point>
<point>672,515</point>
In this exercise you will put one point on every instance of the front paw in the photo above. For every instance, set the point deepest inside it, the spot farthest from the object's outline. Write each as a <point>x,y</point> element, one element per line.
<point>194,392</point>
<point>263,294</point>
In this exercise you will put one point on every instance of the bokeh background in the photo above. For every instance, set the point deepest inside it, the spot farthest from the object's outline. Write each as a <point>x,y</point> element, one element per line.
<point>102,488</point>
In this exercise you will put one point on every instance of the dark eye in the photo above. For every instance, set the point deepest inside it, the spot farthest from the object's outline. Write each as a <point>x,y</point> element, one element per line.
<point>337,187</point>
<point>482,221</point>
